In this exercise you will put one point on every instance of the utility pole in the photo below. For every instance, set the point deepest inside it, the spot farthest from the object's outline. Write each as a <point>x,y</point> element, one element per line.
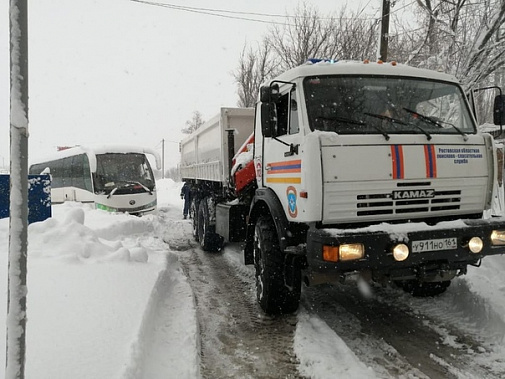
<point>18,221</point>
<point>163,159</point>
<point>384,37</point>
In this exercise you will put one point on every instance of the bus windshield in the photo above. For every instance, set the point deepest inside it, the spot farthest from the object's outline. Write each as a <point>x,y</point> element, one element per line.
<point>386,105</point>
<point>123,173</point>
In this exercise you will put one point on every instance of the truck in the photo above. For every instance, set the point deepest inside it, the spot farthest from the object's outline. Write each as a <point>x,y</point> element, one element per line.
<point>348,168</point>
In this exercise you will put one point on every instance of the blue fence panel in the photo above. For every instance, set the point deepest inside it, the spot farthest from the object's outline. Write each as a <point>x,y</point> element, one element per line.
<point>39,197</point>
<point>4,196</point>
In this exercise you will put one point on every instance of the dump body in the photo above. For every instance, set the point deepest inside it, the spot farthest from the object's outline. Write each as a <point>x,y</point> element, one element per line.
<point>205,154</point>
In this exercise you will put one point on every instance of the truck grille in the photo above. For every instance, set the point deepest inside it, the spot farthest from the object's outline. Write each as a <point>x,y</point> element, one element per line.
<point>377,201</point>
<point>385,204</point>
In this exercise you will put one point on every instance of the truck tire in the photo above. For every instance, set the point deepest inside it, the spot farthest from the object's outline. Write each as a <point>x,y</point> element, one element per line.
<point>209,240</point>
<point>424,289</point>
<point>193,212</point>
<point>273,295</point>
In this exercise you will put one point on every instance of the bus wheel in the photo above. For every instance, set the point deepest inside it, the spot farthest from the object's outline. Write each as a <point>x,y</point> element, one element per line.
<point>424,289</point>
<point>209,240</point>
<point>274,296</point>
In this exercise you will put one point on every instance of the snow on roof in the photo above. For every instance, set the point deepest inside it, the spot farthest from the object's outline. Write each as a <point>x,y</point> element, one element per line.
<point>362,68</point>
<point>93,150</point>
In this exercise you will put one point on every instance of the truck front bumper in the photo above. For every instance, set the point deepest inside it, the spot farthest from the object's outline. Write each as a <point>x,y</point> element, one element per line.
<point>432,250</point>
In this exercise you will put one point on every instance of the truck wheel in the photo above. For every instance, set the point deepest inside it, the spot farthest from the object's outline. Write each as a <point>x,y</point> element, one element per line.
<point>193,212</point>
<point>209,240</point>
<point>424,289</point>
<point>273,295</point>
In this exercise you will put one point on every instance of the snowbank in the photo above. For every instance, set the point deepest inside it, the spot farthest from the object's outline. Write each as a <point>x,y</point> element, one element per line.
<point>107,298</point>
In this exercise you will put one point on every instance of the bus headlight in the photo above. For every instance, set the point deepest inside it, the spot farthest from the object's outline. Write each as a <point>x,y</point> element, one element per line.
<point>498,237</point>
<point>475,245</point>
<point>401,252</point>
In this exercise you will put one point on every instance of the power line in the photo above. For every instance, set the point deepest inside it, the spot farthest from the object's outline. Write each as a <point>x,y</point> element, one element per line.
<point>229,13</point>
<point>207,12</point>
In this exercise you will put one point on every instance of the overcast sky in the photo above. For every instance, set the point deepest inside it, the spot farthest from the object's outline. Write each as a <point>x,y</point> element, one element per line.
<point>119,71</point>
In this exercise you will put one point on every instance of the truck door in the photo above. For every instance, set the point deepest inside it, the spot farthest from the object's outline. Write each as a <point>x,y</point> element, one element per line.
<point>281,156</point>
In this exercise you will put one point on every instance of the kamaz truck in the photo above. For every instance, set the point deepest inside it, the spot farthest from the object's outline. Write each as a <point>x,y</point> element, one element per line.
<point>349,168</point>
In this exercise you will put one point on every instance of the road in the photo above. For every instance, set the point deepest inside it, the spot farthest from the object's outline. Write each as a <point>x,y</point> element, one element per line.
<point>390,332</point>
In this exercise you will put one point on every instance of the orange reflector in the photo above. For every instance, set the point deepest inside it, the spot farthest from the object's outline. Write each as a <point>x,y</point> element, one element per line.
<point>393,63</point>
<point>330,253</point>
<point>366,61</point>
<point>304,194</point>
<point>380,62</point>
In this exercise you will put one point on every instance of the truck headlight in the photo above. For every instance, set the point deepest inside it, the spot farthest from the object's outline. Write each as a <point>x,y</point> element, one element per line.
<point>351,251</point>
<point>401,252</point>
<point>475,245</point>
<point>498,237</point>
<point>345,252</point>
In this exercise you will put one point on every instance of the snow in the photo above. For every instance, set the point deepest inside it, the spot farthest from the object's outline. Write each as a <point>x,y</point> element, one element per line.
<point>107,298</point>
<point>93,150</point>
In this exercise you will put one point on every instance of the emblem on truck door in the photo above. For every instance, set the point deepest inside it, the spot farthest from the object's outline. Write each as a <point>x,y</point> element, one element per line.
<point>291,194</point>
<point>414,194</point>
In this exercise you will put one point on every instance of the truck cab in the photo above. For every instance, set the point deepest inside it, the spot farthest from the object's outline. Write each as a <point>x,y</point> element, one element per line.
<point>370,168</point>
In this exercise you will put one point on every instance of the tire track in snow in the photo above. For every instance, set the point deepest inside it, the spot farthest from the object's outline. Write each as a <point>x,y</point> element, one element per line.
<point>237,339</point>
<point>388,335</point>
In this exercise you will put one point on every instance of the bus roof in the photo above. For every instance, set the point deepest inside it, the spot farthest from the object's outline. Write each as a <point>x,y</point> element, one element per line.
<point>92,150</point>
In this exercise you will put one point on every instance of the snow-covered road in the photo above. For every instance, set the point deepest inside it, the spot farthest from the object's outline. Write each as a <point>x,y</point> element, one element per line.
<point>116,296</point>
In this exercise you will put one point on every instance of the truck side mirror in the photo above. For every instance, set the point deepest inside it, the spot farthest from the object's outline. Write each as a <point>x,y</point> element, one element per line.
<point>268,97</point>
<point>499,110</point>
<point>269,94</point>
<point>268,119</point>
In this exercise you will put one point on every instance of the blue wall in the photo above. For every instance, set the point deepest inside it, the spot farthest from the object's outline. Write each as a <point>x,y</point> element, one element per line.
<point>39,197</point>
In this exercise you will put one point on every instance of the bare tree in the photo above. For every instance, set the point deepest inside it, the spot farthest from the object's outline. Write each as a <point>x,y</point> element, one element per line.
<point>193,124</point>
<point>255,66</point>
<point>305,35</point>
<point>463,37</point>
<point>354,37</point>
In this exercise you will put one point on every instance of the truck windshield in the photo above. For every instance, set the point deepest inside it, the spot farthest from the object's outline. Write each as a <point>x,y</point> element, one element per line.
<point>386,105</point>
<point>123,173</point>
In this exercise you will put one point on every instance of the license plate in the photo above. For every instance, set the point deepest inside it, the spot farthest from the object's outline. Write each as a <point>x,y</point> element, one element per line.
<point>434,245</point>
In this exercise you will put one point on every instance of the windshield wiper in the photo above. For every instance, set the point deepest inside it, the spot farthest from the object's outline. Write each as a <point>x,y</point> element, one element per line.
<point>396,121</point>
<point>436,123</point>
<point>112,192</point>
<point>126,184</point>
<point>144,187</point>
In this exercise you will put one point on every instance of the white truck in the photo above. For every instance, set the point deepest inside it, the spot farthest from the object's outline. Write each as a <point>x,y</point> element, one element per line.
<point>347,168</point>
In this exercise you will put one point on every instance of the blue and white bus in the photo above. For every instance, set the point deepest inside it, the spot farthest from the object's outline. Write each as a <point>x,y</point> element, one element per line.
<point>114,178</point>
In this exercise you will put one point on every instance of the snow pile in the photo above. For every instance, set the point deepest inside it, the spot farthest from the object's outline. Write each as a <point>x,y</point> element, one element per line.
<point>96,282</point>
<point>62,235</point>
<point>322,352</point>
<point>107,298</point>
